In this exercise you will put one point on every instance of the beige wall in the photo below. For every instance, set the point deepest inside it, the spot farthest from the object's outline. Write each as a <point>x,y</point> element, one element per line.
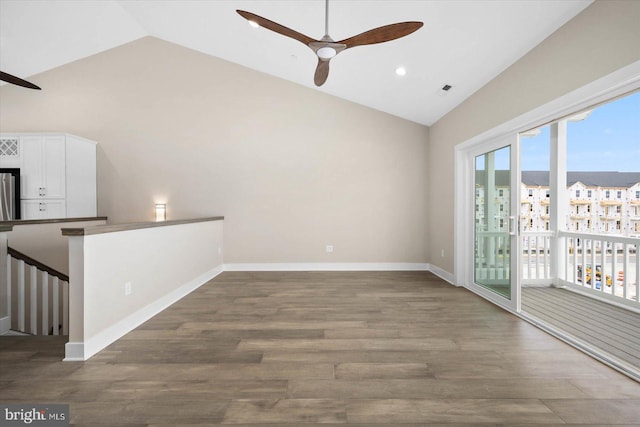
<point>603,38</point>
<point>290,168</point>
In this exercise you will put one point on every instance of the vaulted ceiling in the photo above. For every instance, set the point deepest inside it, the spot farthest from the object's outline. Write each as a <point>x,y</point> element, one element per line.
<point>464,43</point>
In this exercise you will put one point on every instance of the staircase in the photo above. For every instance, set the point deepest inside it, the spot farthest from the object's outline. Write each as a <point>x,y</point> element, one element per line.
<point>38,296</point>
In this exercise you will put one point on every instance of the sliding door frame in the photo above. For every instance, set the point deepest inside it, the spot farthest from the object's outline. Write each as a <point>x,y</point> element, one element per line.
<point>616,84</point>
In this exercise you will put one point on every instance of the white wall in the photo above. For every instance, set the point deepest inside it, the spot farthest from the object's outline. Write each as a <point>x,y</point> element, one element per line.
<point>162,264</point>
<point>292,169</point>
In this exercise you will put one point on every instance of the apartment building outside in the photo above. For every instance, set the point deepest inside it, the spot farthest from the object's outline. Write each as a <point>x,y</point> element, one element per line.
<point>599,202</point>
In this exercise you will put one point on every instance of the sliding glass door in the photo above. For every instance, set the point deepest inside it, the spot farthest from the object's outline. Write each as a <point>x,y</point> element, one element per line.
<point>495,229</point>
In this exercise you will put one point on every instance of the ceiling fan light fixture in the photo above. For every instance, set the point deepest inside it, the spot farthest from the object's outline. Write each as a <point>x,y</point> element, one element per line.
<point>401,71</point>
<point>326,52</point>
<point>254,24</point>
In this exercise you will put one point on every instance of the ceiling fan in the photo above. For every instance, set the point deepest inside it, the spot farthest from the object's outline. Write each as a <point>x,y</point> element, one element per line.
<point>326,48</point>
<point>6,77</point>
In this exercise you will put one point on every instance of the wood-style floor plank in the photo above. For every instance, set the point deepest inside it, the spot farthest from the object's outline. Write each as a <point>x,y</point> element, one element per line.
<point>324,348</point>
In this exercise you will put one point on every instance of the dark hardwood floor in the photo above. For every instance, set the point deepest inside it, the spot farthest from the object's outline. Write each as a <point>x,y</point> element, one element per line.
<point>375,348</point>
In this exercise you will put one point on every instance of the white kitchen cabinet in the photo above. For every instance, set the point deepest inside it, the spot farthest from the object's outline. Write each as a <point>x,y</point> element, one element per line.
<point>57,174</point>
<point>9,151</point>
<point>42,169</point>
<point>43,209</point>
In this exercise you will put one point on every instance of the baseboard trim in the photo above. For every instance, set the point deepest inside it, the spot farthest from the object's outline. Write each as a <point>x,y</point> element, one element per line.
<point>79,351</point>
<point>337,266</point>
<point>5,324</point>
<point>443,274</point>
<point>74,352</point>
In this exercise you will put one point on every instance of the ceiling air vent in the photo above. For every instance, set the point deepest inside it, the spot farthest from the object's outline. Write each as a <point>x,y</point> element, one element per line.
<point>446,88</point>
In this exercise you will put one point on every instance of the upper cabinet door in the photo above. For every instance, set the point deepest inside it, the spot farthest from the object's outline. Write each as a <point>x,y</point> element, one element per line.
<point>53,153</point>
<point>43,167</point>
<point>31,167</point>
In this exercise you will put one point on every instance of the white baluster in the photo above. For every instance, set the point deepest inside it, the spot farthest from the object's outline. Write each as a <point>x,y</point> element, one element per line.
<point>33,325</point>
<point>603,263</point>
<point>21,302</point>
<point>529,258</point>
<point>56,309</point>
<point>637,273</point>
<point>9,286</point>
<point>625,271</point>
<point>45,303</point>
<point>614,264</point>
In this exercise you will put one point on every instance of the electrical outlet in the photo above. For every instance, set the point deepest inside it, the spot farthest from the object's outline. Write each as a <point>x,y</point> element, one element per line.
<point>127,288</point>
<point>329,249</point>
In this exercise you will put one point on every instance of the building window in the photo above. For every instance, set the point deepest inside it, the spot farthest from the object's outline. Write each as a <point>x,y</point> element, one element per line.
<point>501,222</point>
<point>577,193</point>
<point>531,207</point>
<point>531,223</point>
<point>589,193</point>
<point>547,193</point>
<point>617,225</point>
<point>531,193</point>
<point>607,194</point>
<point>637,194</point>
<point>606,226</point>
<point>619,194</point>
<point>618,209</point>
<point>589,208</point>
<point>577,226</point>
<point>546,225</point>
<point>546,210</point>
<point>501,192</point>
<point>577,210</point>
<point>588,225</point>
<point>501,207</point>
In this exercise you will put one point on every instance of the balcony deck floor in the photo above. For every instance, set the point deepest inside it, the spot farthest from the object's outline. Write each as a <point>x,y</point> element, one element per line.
<point>613,330</point>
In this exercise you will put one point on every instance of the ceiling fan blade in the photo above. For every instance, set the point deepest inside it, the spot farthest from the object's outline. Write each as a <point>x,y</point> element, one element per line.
<point>17,81</point>
<point>322,72</point>
<point>275,27</point>
<point>382,34</point>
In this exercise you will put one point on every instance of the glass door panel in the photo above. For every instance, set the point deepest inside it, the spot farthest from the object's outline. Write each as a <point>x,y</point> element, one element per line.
<point>493,221</point>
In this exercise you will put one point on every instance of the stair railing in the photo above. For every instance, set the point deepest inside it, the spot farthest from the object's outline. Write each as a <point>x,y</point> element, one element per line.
<point>48,296</point>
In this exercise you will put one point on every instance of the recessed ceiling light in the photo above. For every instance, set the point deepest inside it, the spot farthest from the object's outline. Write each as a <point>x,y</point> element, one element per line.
<point>254,24</point>
<point>401,71</point>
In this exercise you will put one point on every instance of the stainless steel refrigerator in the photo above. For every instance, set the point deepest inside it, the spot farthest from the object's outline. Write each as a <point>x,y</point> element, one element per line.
<point>9,194</point>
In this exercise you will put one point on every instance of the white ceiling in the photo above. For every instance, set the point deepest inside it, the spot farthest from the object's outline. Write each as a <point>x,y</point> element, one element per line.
<point>464,43</point>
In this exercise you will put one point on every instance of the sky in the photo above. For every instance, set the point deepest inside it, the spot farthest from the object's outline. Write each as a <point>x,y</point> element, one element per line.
<point>607,140</point>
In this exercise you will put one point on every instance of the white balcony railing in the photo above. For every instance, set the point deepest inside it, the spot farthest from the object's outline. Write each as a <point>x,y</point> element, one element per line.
<point>536,258</point>
<point>492,253</point>
<point>607,265</point>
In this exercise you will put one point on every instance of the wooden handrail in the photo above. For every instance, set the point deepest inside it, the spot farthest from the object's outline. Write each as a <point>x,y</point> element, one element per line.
<point>40,266</point>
